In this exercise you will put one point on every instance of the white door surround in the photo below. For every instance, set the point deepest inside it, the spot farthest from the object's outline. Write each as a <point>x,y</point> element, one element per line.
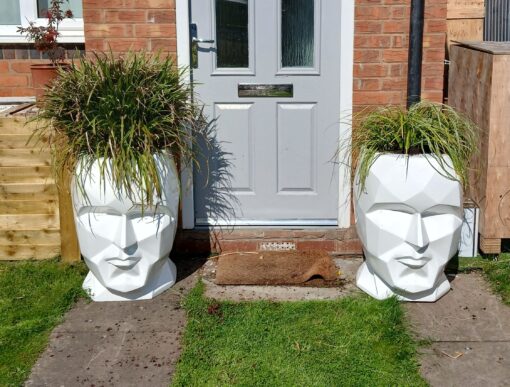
<point>345,41</point>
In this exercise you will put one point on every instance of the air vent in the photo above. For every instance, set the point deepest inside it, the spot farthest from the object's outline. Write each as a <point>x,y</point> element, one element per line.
<point>277,246</point>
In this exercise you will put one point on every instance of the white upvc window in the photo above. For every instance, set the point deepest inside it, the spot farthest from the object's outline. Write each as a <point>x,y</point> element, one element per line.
<point>15,13</point>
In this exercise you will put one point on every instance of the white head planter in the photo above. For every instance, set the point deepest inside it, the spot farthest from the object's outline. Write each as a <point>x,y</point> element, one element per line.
<point>408,218</point>
<point>126,250</point>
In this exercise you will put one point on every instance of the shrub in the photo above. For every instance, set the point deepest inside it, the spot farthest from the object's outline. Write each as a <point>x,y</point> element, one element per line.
<point>120,111</point>
<point>426,128</point>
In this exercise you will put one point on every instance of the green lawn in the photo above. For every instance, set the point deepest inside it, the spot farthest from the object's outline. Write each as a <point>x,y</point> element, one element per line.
<point>356,341</point>
<point>33,298</point>
<point>496,271</point>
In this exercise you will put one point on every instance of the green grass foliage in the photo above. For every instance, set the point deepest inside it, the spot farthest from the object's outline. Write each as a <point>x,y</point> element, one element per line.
<point>33,298</point>
<point>426,128</point>
<point>121,111</point>
<point>356,341</point>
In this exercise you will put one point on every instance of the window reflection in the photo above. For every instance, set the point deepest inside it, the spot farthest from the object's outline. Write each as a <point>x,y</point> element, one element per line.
<point>297,33</point>
<point>232,33</point>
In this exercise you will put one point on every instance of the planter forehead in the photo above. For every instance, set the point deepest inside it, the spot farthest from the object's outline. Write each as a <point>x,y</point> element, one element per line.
<point>408,218</point>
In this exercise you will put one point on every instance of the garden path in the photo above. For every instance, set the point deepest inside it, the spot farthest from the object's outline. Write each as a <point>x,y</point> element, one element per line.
<point>470,333</point>
<point>118,343</point>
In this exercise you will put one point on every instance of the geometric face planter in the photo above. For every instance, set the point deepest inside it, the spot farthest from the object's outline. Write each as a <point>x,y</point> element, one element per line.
<point>409,218</point>
<point>126,250</point>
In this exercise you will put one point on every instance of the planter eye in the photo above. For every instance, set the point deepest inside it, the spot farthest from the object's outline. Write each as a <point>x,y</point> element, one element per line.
<point>396,207</point>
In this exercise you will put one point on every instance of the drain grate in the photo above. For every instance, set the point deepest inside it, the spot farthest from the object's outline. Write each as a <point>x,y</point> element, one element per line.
<point>277,246</point>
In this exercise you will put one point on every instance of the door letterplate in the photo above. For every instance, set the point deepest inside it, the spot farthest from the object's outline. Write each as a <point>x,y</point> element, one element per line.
<point>264,90</point>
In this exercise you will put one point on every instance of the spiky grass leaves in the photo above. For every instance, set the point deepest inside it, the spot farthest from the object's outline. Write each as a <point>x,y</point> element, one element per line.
<point>426,128</point>
<point>121,111</point>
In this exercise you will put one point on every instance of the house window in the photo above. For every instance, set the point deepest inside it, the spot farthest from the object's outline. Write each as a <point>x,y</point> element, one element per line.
<point>14,13</point>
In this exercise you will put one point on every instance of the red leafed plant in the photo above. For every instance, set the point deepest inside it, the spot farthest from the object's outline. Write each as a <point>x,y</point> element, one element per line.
<point>45,37</point>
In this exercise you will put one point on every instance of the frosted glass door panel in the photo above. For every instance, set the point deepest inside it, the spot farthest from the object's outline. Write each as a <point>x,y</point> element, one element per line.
<point>9,12</point>
<point>73,5</point>
<point>232,33</point>
<point>297,33</point>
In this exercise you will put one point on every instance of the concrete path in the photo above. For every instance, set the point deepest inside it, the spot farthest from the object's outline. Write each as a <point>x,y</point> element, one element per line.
<point>470,333</point>
<point>118,343</point>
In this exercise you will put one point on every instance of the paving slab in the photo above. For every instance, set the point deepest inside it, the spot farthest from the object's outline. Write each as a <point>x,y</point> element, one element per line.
<point>469,330</point>
<point>347,274</point>
<point>118,343</point>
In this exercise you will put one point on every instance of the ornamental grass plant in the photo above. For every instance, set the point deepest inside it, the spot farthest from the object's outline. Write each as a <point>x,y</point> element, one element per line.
<point>120,111</point>
<point>425,128</point>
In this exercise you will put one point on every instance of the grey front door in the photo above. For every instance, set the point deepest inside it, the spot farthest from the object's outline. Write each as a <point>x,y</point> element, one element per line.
<point>267,72</point>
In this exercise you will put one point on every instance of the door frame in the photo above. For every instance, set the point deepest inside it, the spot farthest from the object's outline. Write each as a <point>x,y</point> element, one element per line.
<point>346,42</point>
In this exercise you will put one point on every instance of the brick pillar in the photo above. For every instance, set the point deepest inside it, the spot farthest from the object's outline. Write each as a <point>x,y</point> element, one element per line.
<point>380,51</point>
<point>124,25</point>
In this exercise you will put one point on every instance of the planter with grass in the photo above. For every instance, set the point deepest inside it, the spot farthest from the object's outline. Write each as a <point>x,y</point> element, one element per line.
<point>411,168</point>
<point>116,124</point>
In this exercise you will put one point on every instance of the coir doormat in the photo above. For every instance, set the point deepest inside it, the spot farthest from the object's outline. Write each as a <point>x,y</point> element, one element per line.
<point>274,268</point>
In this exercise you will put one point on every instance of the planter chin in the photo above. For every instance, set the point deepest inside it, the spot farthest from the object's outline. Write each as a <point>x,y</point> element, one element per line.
<point>408,216</point>
<point>126,249</point>
<point>43,74</point>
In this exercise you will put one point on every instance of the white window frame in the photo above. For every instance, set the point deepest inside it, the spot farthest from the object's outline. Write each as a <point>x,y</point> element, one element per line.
<point>71,30</point>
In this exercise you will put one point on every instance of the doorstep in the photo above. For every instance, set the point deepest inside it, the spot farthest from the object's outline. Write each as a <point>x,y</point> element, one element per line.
<point>347,268</point>
<point>338,241</point>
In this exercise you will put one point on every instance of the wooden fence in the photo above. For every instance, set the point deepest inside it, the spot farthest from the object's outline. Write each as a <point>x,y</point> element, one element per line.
<point>29,211</point>
<point>465,20</point>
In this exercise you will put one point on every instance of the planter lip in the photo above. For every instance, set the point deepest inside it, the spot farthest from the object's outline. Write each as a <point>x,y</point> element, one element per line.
<point>415,156</point>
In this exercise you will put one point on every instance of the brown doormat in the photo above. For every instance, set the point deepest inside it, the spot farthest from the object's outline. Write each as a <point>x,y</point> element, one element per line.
<point>274,268</point>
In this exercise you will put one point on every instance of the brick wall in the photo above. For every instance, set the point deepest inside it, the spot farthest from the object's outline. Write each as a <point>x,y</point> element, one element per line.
<point>336,241</point>
<point>381,51</point>
<point>122,25</point>
<point>15,61</point>
<point>381,41</point>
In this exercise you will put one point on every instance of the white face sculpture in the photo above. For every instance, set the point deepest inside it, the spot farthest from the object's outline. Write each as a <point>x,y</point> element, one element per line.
<point>409,221</point>
<point>124,248</point>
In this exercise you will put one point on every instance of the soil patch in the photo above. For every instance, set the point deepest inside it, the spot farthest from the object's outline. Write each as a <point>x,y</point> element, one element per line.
<point>275,268</point>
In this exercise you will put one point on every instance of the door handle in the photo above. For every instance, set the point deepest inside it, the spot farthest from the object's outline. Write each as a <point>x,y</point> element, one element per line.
<point>199,40</point>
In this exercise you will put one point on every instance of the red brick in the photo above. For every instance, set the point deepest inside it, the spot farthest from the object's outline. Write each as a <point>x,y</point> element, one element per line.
<point>316,245</point>
<point>224,246</point>
<point>95,44</point>
<point>155,30</point>
<point>373,27</point>
<point>102,4</point>
<point>393,56</point>
<point>109,31</point>
<point>161,16</point>
<point>367,84</point>
<point>125,16</point>
<point>12,80</point>
<point>370,70</point>
<point>367,56</point>
<point>21,67</point>
<point>149,4</point>
<point>169,45</point>
<point>378,98</point>
<point>352,246</point>
<point>93,16</point>
<point>124,45</point>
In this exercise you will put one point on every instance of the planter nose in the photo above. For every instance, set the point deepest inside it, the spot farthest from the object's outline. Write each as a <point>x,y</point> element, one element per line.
<point>126,237</point>
<point>417,235</point>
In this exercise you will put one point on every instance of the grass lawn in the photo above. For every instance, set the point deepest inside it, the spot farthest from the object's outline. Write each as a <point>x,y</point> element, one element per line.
<point>497,272</point>
<point>33,298</point>
<point>356,341</point>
